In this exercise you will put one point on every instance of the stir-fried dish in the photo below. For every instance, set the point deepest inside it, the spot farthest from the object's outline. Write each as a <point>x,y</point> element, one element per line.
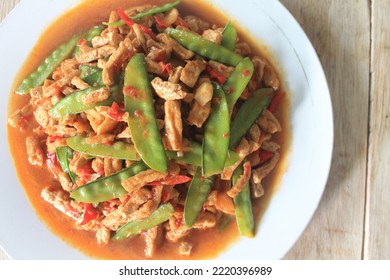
<point>153,124</point>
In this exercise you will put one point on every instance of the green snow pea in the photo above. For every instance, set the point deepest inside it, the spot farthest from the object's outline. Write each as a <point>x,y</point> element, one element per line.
<point>248,113</point>
<point>92,75</point>
<point>151,12</point>
<point>216,135</point>
<point>106,188</point>
<point>159,216</point>
<point>196,196</point>
<point>51,62</point>
<point>229,37</point>
<point>237,81</point>
<point>64,154</point>
<point>194,156</point>
<point>142,117</point>
<point>93,32</point>
<point>73,104</point>
<point>204,47</point>
<point>243,207</point>
<point>118,150</point>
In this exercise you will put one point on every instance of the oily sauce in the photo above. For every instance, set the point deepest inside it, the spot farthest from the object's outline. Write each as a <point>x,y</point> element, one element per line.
<point>207,243</point>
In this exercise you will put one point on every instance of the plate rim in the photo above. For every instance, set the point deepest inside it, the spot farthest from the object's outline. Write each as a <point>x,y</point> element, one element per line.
<point>276,7</point>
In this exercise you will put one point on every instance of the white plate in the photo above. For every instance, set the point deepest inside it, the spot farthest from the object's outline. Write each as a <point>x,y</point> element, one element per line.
<point>24,236</point>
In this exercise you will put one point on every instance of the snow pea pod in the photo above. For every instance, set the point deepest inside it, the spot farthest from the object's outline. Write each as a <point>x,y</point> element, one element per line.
<point>106,188</point>
<point>159,216</point>
<point>51,62</point>
<point>73,104</point>
<point>92,75</point>
<point>63,155</point>
<point>151,12</point>
<point>196,196</point>
<point>142,117</point>
<point>248,113</point>
<point>229,36</point>
<point>93,32</point>
<point>118,150</point>
<point>243,207</point>
<point>194,155</point>
<point>216,134</point>
<point>237,81</point>
<point>204,47</point>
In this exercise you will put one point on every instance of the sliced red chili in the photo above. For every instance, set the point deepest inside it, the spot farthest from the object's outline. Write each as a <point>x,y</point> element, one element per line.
<point>265,156</point>
<point>89,213</point>
<point>165,197</point>
<point>246,73</point>
<point>171,180</point>
<point>275,102</point>
<point>166,67</point>
<point>161,23</point>
<point>128,21</point>
<point>116,112</point>
<point>85,172</point>
<point>181,22</point>
<point>215,75</point>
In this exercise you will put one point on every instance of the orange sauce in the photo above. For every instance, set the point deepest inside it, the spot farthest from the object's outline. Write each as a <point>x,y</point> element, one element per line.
<point>207,244</point>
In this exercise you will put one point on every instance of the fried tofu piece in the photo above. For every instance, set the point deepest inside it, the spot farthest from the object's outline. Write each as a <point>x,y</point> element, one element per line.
<point>173,124</point>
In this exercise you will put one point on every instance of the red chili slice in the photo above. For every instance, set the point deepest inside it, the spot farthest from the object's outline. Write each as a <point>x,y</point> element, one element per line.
<point>171,180</point>
<point>116,112</point>
<point>276,100</point>
<point>166,67</point>
<point>246,73</point>
<point>85,172</point>
<point>181,22</point>
<point>130,23</point>
<point>160,22</point>
<point>89,214</point>
<point>264,156</point>
<point>215,75</point>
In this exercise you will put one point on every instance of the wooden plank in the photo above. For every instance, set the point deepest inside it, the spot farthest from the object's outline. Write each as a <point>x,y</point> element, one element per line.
<point>340,33</point>
<point>6,6</point>
<point>377,241</point>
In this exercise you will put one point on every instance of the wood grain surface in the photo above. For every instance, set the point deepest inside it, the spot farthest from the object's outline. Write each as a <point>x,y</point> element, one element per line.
<point>377,228</point>
<point>340,33</point>
<point>352,40</point>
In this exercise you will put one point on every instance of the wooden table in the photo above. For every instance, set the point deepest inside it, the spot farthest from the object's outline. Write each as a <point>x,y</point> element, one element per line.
<point>352,39</point>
